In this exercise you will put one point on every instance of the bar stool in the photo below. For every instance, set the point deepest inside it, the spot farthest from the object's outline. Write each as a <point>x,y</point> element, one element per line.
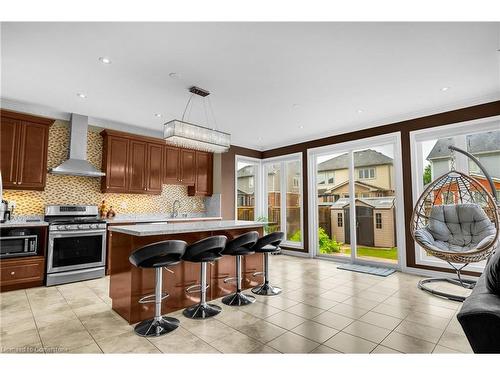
<point>157,255</point>
<point>238,247</point>
<point>265,245</point>
<point>203,251</point>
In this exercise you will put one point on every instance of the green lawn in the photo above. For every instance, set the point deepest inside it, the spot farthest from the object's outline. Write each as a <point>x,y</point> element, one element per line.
<point>376,252</point>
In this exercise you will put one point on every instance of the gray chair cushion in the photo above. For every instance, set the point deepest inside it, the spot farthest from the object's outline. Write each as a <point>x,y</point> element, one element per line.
<point>457,228</point>
<point>492,274</point>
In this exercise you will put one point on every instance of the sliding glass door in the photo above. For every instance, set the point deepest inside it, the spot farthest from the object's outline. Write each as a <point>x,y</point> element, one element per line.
<point>356,215</point>
<point>247,188</point>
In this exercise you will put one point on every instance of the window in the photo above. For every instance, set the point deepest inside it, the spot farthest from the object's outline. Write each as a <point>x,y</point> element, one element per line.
<point>321,178</point>
<point>378,220</point>
<point>247,194</point>
<point>331,177</point>
<point>366,173</point>
<point>250,182</point>
<point>283,196</point>
<point>340,222</point>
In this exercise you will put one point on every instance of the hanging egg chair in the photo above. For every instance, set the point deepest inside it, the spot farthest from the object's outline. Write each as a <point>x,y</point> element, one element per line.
<point>456,219</point>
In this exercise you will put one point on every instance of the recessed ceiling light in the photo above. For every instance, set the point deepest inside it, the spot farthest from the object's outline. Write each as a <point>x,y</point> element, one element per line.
<point>445,88</point>
<point>173,75</point>
<point>81,95</point>
<point>301,126</point>
<point>359,111</point>
<point>296,106</point>
<point>105,60</point>
<point>157,114</point>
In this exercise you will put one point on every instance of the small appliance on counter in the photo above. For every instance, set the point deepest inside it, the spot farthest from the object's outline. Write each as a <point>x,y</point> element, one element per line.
<point>18,243</point>
<point>77,244</point>
<point>4,211</point>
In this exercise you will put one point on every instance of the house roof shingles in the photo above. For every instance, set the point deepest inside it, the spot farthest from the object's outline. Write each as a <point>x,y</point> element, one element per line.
<point>362,158</point>
<point>476,143</point>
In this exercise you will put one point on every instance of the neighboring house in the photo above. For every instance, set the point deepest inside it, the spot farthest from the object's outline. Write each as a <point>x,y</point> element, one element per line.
<point>373,171</point>
<point>484,146</point>
<point>246,186</point>
<point>375,221</point>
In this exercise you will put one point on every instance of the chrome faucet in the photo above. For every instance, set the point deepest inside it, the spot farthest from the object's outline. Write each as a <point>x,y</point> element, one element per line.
<point>175,208</point>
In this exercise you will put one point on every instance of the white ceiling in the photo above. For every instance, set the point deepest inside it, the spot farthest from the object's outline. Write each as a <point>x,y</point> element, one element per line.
<point>256,72</point>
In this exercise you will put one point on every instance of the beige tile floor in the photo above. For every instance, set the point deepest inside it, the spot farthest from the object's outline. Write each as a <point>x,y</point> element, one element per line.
<point>322,310</point>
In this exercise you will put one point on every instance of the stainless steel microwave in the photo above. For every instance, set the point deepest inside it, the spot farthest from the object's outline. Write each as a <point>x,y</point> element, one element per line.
<point>18,246</point>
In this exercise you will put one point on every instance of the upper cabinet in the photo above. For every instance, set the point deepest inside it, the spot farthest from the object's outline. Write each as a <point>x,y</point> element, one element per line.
<point>24,143</point>
<point>188,167</point>
<point>171,168</point>
<point>140,165</point>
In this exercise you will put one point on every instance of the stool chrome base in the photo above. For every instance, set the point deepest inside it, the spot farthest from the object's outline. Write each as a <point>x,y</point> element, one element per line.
<point>238,299</point>
<point>156,326</point>
<point>266,290</point>
<point>202,311</point>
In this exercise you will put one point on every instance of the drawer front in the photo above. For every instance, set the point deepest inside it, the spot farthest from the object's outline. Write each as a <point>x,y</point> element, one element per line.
<point>21,271</point>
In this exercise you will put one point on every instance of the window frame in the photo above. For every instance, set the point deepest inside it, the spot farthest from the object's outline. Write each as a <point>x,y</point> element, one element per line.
<point>458,132</point>
<point>378,223</point>
<point>257,184</point>
<point>340,220</point>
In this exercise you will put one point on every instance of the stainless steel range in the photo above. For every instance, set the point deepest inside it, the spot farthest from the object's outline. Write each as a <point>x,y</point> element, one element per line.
<point>77,244</point>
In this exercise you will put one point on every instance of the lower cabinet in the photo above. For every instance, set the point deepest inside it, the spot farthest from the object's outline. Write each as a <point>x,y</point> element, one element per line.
<point>19,273</point>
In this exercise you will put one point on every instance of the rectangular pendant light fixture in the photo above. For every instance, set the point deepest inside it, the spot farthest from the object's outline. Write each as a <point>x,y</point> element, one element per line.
<point>184,134</point>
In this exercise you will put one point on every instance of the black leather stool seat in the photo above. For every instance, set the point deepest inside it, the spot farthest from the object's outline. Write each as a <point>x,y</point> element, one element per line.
<point>265,245</point>
<point>206,250</point>
<point>238,247</point>
<point>159,254</point>
<point>269,243</point>
<point>241,245</point>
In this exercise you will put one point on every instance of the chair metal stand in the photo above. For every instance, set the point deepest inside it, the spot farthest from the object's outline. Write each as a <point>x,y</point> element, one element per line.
<point>203,309</point>
<point>266,289</point>
<point>238,298</point>
<point>159,325</point>
<point>460,281</point>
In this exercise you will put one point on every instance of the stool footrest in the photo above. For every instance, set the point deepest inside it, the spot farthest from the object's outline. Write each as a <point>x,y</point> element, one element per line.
<point>230,279</point>
<point>258,273</point>
<point>151,298</point>
<point>195,288</point>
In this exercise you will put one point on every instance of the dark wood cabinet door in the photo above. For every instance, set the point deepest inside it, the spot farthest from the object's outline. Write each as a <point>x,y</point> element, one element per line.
<point>188,167</point>
<point>32,161</point>
<point>154,177</point>
<point>9,152</point>
<point>137,167</point>
<point>171,165</point>
<point>204,174</point>
<point>115,163</point>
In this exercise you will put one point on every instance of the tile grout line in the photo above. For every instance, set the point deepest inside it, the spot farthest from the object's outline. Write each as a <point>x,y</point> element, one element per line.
<point>34,320</point>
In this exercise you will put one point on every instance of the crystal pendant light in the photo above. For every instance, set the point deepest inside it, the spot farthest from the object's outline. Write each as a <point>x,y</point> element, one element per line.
<point>184,134</point>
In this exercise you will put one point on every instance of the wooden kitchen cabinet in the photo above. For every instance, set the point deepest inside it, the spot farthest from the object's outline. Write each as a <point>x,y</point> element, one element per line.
<point>188,166</point>
<point>171,168</point>
<point>203,175</point>
<point>154,169</point>
<point>141,165</point>
<point>137,167</point>
<point>115,164</point>
<point>24,143</point>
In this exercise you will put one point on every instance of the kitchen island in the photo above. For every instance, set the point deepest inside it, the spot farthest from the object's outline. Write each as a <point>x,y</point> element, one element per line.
<point>128,283</point>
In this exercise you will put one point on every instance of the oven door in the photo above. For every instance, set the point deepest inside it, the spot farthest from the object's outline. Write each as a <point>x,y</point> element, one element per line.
<point>74,250</point>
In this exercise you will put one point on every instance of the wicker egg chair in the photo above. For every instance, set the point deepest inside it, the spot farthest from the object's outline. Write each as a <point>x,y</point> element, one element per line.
<point>456,219</point>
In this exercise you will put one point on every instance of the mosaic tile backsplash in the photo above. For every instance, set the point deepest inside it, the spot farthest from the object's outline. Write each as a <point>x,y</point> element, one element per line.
<point>86,190</point>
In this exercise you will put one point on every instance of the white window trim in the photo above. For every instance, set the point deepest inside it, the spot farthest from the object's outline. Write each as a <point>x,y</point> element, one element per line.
<point>257,184</point>
<point>313,153</point>
<point>282,160</point>
<point>457,131</point>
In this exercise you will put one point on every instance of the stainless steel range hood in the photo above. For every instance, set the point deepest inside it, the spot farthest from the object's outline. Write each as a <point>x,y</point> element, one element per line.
<point>77,164</point>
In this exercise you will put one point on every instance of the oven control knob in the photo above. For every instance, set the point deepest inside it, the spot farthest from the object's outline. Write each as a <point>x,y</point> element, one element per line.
<point>93,226</point>
<point>61,227</point>
<point>67,227</point>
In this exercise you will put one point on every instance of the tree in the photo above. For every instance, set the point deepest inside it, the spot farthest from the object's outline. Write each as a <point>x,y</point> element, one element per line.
<point>427,174</point>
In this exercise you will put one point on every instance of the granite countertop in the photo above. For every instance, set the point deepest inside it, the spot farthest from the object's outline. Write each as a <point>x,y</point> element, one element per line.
<point>24,221</point>
<point>175,228</point>
<point>153,218</point>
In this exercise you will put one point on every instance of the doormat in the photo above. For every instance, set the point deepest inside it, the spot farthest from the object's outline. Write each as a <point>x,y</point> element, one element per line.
<point>379,271</point>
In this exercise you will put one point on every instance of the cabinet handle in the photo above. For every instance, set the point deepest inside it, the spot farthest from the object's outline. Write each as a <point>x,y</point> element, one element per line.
<point>13,273</point>
<point>14,182</point>
<point>19,183</point>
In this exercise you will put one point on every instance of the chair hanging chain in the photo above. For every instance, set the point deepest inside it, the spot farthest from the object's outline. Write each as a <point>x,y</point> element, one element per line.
<point>452,161</point>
